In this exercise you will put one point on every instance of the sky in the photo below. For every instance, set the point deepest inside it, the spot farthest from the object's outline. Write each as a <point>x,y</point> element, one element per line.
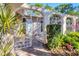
<point>56,4</point>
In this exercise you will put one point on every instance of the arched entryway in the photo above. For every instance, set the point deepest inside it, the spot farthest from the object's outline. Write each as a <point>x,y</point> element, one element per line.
<point>33,28</point>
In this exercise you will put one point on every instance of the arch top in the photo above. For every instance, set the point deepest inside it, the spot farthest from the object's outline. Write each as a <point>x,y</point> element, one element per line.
<point>63,15</point>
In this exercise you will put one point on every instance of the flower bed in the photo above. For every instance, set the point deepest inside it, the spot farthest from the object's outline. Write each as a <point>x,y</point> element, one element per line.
<point>64,44</point>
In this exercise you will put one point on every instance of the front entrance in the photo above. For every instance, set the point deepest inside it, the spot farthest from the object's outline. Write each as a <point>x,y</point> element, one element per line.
<point>34,33</point>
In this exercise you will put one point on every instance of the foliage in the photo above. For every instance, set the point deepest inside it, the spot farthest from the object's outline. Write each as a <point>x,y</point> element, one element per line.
<point>56,41</point>
<point>39,5</point>
<point>67,9</point>
<point>72,12</point>
<point>6,46</point>
<point>48,8</point>
<point>71,39</point>
<point>7,18</point>
<point>53,29</point>
<point>7,23</point>
<point>64,8</point>
<point>21,30</point>
<point>68,43</point>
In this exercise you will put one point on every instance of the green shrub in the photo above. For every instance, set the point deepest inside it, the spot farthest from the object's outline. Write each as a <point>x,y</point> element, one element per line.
<point>73,38</point>
<point>76,45</point>
<point>68,39</point>
<point>53,29</point>
<point>60,40</point>
<point>56,41</point>
<point>74,35</point>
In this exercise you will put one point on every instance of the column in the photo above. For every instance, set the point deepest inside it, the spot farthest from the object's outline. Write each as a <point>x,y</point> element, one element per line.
<point>64,25</point>
<point>37,27</point>
<point>74,23</point>
<point>31,32</point>
<point>45,23</point>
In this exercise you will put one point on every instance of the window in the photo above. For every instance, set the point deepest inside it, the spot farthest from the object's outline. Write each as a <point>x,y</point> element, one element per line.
<point>69,25</point>
<point>24,20</point>
<point>41,26</point>
<point>55,19</point>
<point>69,21</point>
<point>77,25</point>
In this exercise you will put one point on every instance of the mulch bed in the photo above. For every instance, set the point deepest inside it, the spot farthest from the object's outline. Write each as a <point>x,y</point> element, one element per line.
<point>63,52</point>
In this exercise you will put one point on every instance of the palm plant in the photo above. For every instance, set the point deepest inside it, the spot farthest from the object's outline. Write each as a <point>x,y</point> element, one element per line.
<point>6,48</point>
<point>7,23</point>
<point>7,18</point>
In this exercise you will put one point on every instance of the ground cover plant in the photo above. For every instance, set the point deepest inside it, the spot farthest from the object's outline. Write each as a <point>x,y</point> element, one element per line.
<point>68,44</point>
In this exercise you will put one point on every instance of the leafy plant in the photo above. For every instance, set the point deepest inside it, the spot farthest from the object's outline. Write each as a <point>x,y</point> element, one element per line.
<point>64,8</point>
<point>70,41</point>
<point>48,8</point>
<point>56,41</point>
<point>7,19</point>
<point>73,39</point>
<point>6,46</point>
<point>7,23</point>
<point>73,34</point>
<point>39,5</point>
<point>53,29</point>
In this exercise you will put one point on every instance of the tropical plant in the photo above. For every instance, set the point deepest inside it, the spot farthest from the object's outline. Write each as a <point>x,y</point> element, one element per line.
<point>6,46</point>
<point>56,41</point>
<point>7,19</point>
<point>7,23</point>
<point>21,30</point>
<point>72,38</point>
<point>53,29</point>
<point>69,41</point>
